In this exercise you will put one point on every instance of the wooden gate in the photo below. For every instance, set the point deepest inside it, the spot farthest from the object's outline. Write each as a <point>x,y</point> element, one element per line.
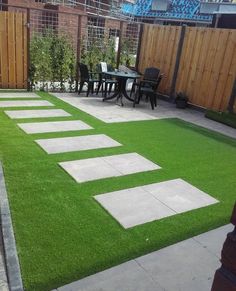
<point>13,50</point>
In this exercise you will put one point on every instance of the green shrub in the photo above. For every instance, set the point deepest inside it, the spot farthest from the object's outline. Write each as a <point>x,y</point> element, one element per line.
<point>52,60</point>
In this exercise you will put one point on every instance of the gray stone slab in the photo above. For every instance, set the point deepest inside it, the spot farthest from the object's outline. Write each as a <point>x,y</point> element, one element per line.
<point>130,163</point>
<point>180,195</point>
<point>19,95</point>
<point>213,240</point>
<point>38,113</point>
<point>108,166</point>
<point>76,143</point>
<point>133,206</point>
<point>28,103</point>
<point>54,126</point>
<point>125,277</point>
<point>184,266</point>
<point>89,169</point>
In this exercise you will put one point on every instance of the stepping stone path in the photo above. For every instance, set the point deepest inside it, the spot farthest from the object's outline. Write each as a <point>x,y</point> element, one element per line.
<point>19,95</point>
<point>55,126</point>
<point>28,103</point>
<point>109,166</point>
<point>134,206</point>
<point>21,114</point>
<point>76,143</point>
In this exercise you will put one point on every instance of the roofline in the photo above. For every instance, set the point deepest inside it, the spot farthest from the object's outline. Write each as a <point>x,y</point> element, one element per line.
<point>175,20</point>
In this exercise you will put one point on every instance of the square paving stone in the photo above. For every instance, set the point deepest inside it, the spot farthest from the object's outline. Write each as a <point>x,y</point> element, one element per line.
<point>55,126</point>
<point>76,143</point>
<point>131,207</point>
<point>28,103</point>
<point>180,195</point>
<point>108,166</point>
<point>130,163</point>
<point>89,169</point>
<point>19,95</point>
<point>143,204</point>
<point>38,113</point>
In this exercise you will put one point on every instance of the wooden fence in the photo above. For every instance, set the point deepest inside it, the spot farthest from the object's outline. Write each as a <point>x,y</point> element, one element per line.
<point>13,50</point>
<point>205,62</point>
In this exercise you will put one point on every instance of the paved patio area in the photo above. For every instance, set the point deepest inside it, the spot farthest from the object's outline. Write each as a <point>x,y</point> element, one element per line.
<point>186,266</point>
<point>109,112</point>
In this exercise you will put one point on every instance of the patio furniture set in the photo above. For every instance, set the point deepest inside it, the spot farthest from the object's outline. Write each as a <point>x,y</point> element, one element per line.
<point>105,78</point>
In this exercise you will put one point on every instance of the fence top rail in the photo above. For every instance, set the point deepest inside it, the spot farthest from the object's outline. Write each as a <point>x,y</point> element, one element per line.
<point>79,13</point>
<point>189,27</point>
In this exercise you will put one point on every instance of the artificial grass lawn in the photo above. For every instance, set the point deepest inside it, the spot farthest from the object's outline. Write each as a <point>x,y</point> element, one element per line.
<point>223,117</point>
<point>63,234</point>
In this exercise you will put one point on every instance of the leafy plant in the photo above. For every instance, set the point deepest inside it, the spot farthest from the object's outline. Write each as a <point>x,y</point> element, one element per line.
<point>100,50</point>
<point>127,57</point>
<point>52,60</point>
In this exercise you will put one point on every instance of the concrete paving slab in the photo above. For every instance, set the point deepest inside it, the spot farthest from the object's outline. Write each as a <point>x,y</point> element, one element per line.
<point>184,266</point>
<point>108,112</point>
<point>19,95</point>
<point>180,195</point>
<point>28,103</point>
<point>130,163</point>
<point>89,169</point>
<point>55,126</point>
<point>135,206</point>
<point>108,166</point>
<point>76,143</point>
<point>213,240</point>
<point>39,113</point>
<point>125,277</point>
<point>131,207</point>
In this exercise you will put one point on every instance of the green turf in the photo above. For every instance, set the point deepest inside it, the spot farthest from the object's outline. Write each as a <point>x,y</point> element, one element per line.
<point>223,117</point>
<point>63,234</point>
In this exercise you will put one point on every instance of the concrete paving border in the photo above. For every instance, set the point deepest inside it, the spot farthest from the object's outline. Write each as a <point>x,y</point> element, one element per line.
<point>11,257</point>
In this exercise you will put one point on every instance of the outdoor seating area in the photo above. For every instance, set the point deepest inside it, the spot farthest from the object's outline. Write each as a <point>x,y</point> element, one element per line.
<point>112,174</point>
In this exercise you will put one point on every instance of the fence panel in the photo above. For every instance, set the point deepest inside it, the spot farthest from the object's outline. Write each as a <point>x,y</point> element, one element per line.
<point>159,48</point>
<point>13,50</point>
<point>207,67</point>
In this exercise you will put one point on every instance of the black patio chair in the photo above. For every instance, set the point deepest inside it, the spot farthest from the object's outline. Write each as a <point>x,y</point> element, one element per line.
<point>150,74</point>
<point>149,88</point>
<point>105,80</point>
<point>87,77</point>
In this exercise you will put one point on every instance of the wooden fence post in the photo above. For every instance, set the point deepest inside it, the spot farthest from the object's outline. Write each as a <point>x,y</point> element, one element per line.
<point>119,45</point>
<point>28,49</point>
<point>139,46</point>
<point>232,98</point>
<point>78,52</point>
<point>177,62</point>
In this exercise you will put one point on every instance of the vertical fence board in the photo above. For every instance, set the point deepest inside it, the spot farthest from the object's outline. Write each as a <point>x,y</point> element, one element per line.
<point>19,48</point>
<point>25,52</point>
<point>207,65</point>
<point>12,50</point>
<point>4,49</point>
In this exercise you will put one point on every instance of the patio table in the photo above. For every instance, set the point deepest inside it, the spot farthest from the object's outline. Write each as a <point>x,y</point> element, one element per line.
<point>120,90</point>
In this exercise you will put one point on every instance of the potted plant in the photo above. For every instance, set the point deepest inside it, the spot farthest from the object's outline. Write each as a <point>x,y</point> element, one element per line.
<point>181,100</point>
